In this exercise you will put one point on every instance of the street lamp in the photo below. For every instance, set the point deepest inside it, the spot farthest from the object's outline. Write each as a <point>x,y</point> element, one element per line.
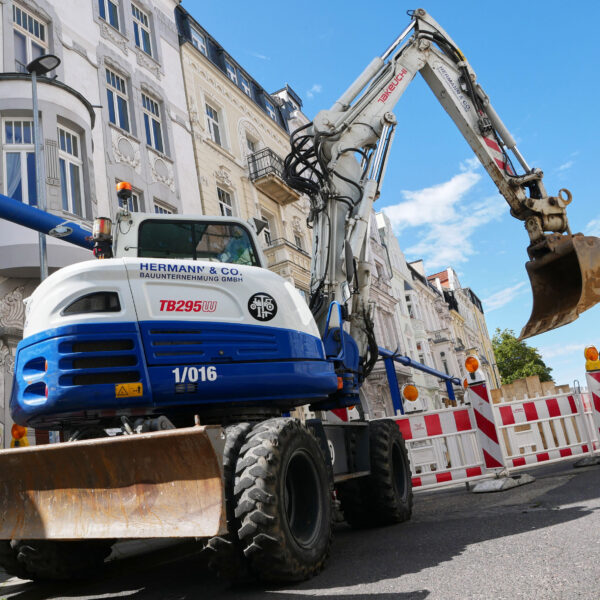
<point>40,66</point>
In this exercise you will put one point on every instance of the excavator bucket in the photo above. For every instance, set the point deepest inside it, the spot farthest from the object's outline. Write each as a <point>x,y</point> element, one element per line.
<point>564,283</point>
<point>151,485</point>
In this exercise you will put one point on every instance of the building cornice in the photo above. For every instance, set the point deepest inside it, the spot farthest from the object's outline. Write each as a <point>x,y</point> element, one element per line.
<point>55,83</point>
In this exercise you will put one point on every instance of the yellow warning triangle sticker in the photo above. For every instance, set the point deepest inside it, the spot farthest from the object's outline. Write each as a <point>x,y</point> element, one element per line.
<point>126,390</point>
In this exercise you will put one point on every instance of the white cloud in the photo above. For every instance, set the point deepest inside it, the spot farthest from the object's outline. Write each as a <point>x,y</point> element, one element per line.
<point>261,56</point>
<point>446,230</point>
<point>566,165</point>
<point>432,205</point>
<point>503,297</point>
<point>593,227</point>
<point>315,89</point>
<point>561,350</point>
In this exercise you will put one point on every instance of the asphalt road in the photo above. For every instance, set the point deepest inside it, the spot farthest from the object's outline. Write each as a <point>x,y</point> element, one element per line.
<point>537,541</point>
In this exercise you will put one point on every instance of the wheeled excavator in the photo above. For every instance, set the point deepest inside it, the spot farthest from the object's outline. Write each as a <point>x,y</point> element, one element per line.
<point>171,365</point>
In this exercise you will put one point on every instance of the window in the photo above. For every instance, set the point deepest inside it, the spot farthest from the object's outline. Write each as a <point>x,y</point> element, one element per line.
<point>225,203</point>
<point>251,145</point>
<point>212,241</point>
<point>161,209</point>
<point>267,233</point>
<point>199,41</point>
<point>109,12</point>
<point>271,110</point>
<point>444,362</point>
<point>213,124</point>
<point>152,124</point>
<point>70,163</point>
<point>409,307</point>
<point>299,241</point>
<point>141,30</point>
<point>19,162</point>
<point>116,91</point>
<point>30,37</point>
<point>231,71</point>
<point>245,85</point>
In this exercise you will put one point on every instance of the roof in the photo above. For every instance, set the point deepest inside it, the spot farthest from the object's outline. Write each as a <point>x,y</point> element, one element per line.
<point>442,276</point>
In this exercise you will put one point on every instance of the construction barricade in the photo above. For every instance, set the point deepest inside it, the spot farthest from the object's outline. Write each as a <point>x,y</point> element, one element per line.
<point>486,441</point>
<point>452,445</point>
<point>542,430</point>
<point>442,447</point>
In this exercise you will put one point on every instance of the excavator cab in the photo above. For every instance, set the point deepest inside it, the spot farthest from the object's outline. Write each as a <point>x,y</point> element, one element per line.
<point>564,282</point>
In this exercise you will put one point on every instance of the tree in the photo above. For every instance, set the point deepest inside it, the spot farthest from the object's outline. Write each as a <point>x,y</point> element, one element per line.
<point>516,359</point>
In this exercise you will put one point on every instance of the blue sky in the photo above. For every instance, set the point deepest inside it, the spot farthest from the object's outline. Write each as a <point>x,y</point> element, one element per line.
<point>539,64</point>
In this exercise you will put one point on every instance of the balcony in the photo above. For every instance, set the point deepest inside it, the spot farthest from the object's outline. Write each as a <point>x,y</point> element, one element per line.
<point>288,260</point>
<point>266,172</point>
<point>439,336</point>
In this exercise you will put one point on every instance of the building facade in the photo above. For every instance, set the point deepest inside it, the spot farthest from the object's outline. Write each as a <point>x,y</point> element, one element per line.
<point>431,319</point>
<point>114,109</point>
<point>469,325</point>
<point>241,135</point>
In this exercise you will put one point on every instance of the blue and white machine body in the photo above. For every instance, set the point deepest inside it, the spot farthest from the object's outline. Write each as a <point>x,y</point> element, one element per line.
<point>138,336</point>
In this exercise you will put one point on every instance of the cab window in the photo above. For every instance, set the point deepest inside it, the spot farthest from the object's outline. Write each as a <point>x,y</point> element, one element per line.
<point>218,242</point>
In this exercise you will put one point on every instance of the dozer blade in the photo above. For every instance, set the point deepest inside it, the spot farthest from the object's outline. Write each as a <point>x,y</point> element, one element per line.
<point>151,485</point>
<point>564,283</point>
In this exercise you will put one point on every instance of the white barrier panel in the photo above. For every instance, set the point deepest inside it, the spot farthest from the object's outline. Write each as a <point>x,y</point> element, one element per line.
<point>442,447</point>
<point>478,397</point>
<point>542,430</point>
<point>593,381</point>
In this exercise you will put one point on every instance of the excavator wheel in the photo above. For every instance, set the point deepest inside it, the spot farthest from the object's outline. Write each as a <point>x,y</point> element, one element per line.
<point>385,496</point>
<point>9,561</point>
<point>224,553</point>
<point>283,496</point>
<point>45,560</point>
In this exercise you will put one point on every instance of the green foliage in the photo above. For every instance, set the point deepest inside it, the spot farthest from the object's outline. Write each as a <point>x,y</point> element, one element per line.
<point>516,359</point>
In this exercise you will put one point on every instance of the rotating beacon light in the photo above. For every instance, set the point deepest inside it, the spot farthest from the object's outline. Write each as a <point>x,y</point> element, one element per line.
<point>19,436</point>
<point>592,359</point>
<point>410,392</point>
<point>472,366</point>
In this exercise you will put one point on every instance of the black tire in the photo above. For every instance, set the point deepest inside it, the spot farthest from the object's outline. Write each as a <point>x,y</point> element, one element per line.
<point>284,496</point>
<point>9,561</point>
<point>224,553</point>
<point>384,497</point>
<point>45,560</point>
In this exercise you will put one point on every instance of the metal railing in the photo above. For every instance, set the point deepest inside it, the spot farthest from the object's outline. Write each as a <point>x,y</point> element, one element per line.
<point>390,358</point>
<point>265,162</point>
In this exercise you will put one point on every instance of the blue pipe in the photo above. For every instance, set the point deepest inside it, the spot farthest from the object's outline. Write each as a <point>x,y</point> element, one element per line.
<point>44,222</point>
<point>413,364</point>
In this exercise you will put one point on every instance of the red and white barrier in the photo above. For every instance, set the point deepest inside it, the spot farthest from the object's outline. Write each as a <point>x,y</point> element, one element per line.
<point>481,403</point>
<point>442,447</point>
<point>593,382</point>
<point>542,430</point>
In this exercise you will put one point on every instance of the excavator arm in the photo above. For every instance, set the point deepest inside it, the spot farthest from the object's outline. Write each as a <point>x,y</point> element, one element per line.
<point>339,160</point>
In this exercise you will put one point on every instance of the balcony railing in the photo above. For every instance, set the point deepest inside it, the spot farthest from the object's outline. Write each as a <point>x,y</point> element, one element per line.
<point>440,335</point>
<point>266,171</point>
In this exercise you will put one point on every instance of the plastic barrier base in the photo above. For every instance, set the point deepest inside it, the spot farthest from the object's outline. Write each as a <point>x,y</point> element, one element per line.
<point>587,461</point>
<point>502,483</point>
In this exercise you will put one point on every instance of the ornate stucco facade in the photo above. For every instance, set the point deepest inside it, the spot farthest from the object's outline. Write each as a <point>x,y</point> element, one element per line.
<point>115,111</point>
<point>241,135</point>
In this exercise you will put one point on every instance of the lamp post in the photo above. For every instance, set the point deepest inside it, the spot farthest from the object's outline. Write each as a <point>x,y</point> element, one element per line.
<point>40,66</point>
